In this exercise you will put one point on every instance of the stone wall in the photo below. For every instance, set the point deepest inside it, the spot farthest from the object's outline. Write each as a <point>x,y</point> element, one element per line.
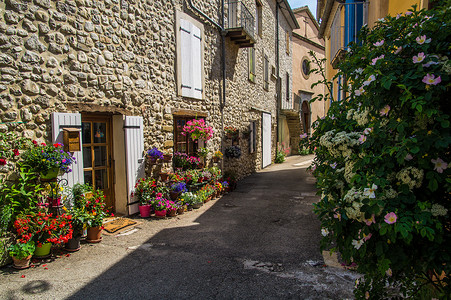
<point>118,57</point>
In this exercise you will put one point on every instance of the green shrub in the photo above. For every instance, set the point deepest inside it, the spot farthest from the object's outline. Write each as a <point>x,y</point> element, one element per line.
<point>382,157</point>
<point>280,157</point>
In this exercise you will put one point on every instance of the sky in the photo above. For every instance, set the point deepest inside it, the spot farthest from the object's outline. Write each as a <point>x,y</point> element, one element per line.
<point>298,3</point>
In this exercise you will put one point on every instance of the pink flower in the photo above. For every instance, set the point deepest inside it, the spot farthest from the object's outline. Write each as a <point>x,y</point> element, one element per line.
<point>360,91</point>
<point>422,39</point>
<point>362,139</point>
<point>430,63</point>
<point>390,218</point>
<point>370,221</point>
<point>398,49</point>
<point>439,165</point>
<point>408,13</point>
<point>398,16</point>
<point>334,165</point>
<point>384,111</point>
<point>408,157</point>
<point>366,237</point>
<point>378,44</point>
<point>303,136</point>
<point>418,58</point>
<point>430,79</point>
<point>367,131</point>
<point>374,60</point>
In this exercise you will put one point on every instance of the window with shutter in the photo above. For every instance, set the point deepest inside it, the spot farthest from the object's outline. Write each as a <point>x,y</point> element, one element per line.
<point>266,73</point>
<point>189,57</point>
<point>251,58</point>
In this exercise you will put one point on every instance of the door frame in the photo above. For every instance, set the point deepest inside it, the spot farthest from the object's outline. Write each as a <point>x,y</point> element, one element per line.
<point>108,119</point>
<point>263,139</point>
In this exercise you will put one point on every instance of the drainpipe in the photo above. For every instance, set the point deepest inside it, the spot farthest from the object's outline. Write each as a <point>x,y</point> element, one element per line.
<point>278,88</point>
<point>223,34</point>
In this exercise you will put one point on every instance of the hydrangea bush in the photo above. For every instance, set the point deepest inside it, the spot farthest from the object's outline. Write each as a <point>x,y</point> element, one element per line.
<point>382,158</point>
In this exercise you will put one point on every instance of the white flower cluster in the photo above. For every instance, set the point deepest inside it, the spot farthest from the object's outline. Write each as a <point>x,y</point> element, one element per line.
<point>354,197</point>
<point>340,144</point>
<point>438,210</point>
<point>391,193</point>
<point>349,165</point>
<point>411,176</point>
<point>361,117</point>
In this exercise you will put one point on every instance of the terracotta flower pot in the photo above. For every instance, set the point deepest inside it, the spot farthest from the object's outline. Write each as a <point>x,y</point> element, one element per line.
<point>21,263</point>
<point>171,213</point>
<point>94,234</point>
<point>164,176</point>
<point>181,210</point>
<point>174,195</point>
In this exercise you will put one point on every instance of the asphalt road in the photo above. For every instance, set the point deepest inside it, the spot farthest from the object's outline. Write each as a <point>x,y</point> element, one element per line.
<point>259,242</point>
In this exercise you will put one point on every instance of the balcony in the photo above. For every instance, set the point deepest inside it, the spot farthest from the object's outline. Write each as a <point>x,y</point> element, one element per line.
<point>239,24</point>
<point>348,20</point>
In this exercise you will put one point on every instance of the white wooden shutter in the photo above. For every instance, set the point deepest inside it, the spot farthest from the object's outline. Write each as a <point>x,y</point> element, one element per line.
<point>59,121</point>
<point>266,139</point>
<point>196,44</point>
<point>134,148</point>
<point>191,59</point>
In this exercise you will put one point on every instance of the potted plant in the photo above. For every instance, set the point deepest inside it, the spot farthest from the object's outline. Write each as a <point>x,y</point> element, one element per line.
<point>197,129</point>
<point>233,151</point>
<point>167,157</point>
<point>230,131</point>
<point>176,189</point>
<point>217,156</point>
<point>48,160</point>
<point>171,208</point>
<point>145,191</point>
<point>154,154</point>
<point>44,229</point>
<point>160,206</point>
<point>21,254</point>
<point>95,207</point>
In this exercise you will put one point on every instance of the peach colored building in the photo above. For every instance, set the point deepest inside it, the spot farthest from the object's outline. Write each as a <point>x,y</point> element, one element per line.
<point>299,119</point>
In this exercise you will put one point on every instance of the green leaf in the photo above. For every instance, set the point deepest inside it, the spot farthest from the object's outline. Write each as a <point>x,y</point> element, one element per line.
<point>445,124</point>
<point>415,149</point>
<point>433,185</point>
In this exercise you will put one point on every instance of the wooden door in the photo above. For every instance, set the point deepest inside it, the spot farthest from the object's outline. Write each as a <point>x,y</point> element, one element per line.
<point>98,155</point>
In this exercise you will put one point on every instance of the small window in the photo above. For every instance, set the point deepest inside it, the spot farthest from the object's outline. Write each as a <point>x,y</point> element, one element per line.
<point>287,38</point>
<point>305,67</point>
<point>288,87</point>
<point>183,143</point>
<point>251,58</point>
<point>258,17</point>
<point>266,73</point>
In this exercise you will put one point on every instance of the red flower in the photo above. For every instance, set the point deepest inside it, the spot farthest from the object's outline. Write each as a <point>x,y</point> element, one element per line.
<point>34,142</point>
<point>16,152</point>
<point>2,161</point>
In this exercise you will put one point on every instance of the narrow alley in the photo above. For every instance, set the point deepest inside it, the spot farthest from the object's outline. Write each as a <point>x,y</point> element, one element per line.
<point>259,242</point>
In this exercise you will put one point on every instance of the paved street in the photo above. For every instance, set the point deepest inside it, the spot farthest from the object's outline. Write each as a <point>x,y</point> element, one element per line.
<point>259,242</point>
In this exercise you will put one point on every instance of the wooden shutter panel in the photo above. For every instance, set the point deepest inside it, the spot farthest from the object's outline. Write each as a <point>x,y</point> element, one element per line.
<point>196,48</point>
<point>59,121</point>
<point>186,58</point>
<point>134,148</point>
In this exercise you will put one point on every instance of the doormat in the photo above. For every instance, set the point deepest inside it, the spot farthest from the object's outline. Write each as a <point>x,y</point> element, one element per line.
<point>118,225</point>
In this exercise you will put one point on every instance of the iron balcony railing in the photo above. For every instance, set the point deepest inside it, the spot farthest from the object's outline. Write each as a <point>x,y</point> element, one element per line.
<point>239,16</point>
<point>348,20</point>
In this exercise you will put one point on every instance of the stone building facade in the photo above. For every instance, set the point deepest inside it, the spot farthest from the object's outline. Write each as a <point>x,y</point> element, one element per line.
<point>116,69</point>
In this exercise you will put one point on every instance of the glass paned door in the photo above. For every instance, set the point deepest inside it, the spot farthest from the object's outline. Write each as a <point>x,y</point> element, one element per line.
<point>97,155</point>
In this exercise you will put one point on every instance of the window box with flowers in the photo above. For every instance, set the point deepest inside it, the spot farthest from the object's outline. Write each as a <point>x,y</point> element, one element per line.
<point>217,156</point>
<point>198,130</point>
<point>231,131</point>
<point>48,160</point>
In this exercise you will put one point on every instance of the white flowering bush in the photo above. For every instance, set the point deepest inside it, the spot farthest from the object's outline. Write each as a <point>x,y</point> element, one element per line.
<point>382,158</point>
